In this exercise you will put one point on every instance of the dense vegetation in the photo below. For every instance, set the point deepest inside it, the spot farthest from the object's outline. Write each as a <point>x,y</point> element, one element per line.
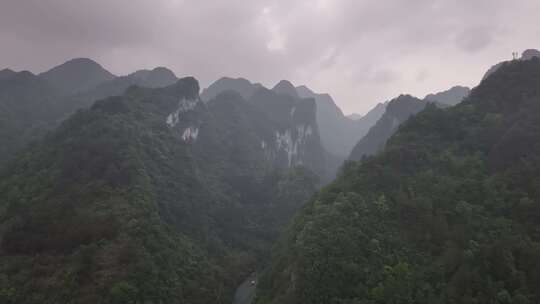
<point>32,105</point>
<point>449,212</point>
<point>115,207</point>
<point>28,106</point>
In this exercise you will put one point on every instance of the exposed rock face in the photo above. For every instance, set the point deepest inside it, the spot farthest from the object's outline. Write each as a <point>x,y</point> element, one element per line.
<point>338,133</point>
<point>296,133</point>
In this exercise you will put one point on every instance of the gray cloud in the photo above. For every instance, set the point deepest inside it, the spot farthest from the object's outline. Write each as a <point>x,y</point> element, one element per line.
<point>475,39</point>
<point>360,51</point>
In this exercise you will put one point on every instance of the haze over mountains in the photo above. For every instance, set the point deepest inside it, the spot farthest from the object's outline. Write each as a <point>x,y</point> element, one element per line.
<point>397,112</point>
<point>33,104</point>
<point>338,132</point>
<point>450,97</point>
<point>78,82</point>
<point>144,189</point>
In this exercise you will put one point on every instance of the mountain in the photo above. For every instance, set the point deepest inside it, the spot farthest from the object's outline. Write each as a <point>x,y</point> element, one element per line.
<point>526,55</point>
<point>450,97</point>
<point>336,130</point>
<point>6,74</point>
<point>243,86</point>
<point>354,116</point>
<point>154,196</point>
<point>367,121</point>
<point>155,78</point>
<point>76,75</point>
<point>296,137</point>
<point>338,133</point>
<point>397,111</point>
<point>447,213</point>
<point>27,109</point>
<point>33,105</point>
<point>285,87</point>
<point>530,54</point>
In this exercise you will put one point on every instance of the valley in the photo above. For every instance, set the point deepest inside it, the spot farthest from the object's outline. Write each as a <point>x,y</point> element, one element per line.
<point>143,188</point>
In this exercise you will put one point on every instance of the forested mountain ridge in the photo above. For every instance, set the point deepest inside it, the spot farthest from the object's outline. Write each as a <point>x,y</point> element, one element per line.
<point>152,196</point>
<point>525,55</point>
<point>242,86</point>
<point>397,112</point>
<point>450,97</point>
<point>76,75</point>
<point>155,78</point>
<point>28,107</point>
<point>447,213</point>
<point>32,105</point>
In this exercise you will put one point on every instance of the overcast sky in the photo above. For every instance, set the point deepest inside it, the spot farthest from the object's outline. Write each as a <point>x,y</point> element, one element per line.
<point>361,52</point>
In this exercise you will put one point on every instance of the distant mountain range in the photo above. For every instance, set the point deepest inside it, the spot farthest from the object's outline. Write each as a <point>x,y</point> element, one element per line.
<point>338,132</point>
<point>397,112</point>
<point>76,75</point>
<point>450,97</point>
<point>79,82</point>
<point>34,104</point>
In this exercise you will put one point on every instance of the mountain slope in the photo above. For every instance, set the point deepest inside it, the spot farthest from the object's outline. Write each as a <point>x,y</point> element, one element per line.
<point>150,197</point>
<point>447,213</point>
<point>285,87</point>
<point>92,224</point>
<point>33,105</point>
<point>397,111</point>
<point>354,116</point>
<point>284,106</point>
<point>450,97</point>
<point>28,107</point>
<point>296,136</point>
<point>76,75</point>
<point>155,78</point>
<point>372,116</point>
<point>338,133</point>
<point>242,86</point>
<point>526,55</point>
